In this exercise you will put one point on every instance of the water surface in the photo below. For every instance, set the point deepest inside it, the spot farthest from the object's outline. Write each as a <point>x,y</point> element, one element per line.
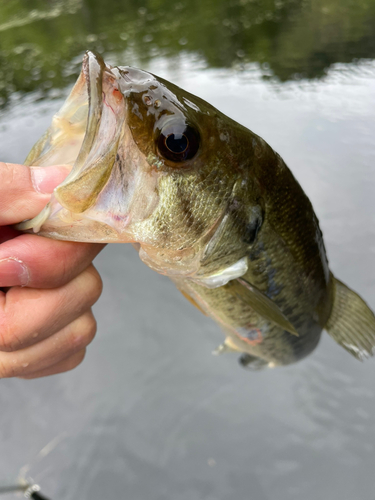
<point>151,414</point>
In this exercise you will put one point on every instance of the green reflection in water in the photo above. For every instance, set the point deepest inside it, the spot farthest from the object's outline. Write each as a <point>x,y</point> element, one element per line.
<point>42,41</point>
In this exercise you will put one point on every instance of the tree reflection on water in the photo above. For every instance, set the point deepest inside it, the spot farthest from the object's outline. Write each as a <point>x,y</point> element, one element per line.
<point>42,41</point>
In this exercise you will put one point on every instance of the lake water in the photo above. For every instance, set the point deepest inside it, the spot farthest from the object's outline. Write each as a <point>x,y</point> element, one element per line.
<point>151,414</point>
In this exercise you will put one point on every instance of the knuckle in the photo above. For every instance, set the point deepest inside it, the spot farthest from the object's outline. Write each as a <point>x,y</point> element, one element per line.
<point>94,285</point>
<point>86,291</point>
<point>8,369</point>
<point>92,328</point>
<point>9,336</point>
<point>75,360</point>
<point>3,369</point>
<point>87,328</point>
<point>6,174</point>
<point>72,361</point>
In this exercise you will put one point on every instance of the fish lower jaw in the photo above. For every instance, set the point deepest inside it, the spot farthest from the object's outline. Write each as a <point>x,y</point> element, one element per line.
<point>56,222</point>
<point>85,231</point>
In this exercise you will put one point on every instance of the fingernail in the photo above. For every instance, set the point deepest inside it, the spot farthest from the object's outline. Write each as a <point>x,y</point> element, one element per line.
<point>45,179</point>
<point>13,272</point>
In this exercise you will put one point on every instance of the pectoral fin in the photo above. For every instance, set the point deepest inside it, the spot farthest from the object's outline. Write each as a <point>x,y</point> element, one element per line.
<point>352,323</point>
<point>261,304</point>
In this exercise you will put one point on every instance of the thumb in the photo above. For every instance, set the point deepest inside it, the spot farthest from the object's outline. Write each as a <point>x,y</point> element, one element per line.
<point>45,179</point>
<point>24,191</point>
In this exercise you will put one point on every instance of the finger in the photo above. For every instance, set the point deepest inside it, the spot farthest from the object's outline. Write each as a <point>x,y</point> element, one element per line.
<point>63,366</point>
<point>7,233</point>
<point>24,191</point>
<point>29,315</point>
<point>73,338</point>
<point>37,262</point>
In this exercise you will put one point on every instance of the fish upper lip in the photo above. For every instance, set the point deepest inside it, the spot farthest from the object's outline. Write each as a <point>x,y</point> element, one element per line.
<point>92,67</point>
<point>94,160</point>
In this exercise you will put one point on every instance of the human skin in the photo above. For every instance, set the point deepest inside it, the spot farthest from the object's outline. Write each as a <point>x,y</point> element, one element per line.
<point>46,320</point>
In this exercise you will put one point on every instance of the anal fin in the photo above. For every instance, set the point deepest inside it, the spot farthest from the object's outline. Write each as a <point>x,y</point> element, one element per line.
<point>351,323</point>
<point>227,346</point>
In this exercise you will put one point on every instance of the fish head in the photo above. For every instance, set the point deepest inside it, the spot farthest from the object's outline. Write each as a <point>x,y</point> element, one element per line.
<point>151,165</point>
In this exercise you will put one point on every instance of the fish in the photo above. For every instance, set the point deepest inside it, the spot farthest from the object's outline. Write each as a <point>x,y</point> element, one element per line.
<point>206,202</point>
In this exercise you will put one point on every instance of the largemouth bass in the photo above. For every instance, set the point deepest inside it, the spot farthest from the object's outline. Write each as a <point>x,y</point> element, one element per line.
<point>206,202</point>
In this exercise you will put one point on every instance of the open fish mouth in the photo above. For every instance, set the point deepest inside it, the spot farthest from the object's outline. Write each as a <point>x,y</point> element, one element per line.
<point>85,133</point>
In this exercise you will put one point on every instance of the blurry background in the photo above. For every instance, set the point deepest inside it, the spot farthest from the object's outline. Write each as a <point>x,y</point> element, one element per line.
<point>151,414</point>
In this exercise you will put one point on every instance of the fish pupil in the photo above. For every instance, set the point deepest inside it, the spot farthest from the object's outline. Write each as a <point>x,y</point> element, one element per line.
<point>177,143</point>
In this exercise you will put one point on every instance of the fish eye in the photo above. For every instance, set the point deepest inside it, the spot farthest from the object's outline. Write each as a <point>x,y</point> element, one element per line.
<point>178,142</point>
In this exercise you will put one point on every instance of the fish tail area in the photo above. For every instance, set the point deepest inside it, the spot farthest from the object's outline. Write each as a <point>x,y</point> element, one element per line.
<point>351,323</point>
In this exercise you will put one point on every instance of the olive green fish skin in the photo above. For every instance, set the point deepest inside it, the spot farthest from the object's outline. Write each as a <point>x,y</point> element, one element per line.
<point>199,191</point>
<point>223,216</point>
<point>238,176</point>
<point>287,262</point>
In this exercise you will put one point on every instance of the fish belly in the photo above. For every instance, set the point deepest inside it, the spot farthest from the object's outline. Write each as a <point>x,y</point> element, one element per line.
<point>246,331</point>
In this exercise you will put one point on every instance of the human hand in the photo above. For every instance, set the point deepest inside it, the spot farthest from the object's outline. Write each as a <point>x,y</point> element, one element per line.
<point>46,320</point>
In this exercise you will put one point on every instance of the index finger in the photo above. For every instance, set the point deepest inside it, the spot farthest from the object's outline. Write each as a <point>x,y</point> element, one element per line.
<point>24,191</point>
<point>37,262</point>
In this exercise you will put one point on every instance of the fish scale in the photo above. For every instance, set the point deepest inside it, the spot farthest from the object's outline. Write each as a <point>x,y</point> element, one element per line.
<point>206,202</point>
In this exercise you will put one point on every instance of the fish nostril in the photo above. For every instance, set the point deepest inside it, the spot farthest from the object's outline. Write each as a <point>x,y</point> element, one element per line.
<point>147,100</point>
